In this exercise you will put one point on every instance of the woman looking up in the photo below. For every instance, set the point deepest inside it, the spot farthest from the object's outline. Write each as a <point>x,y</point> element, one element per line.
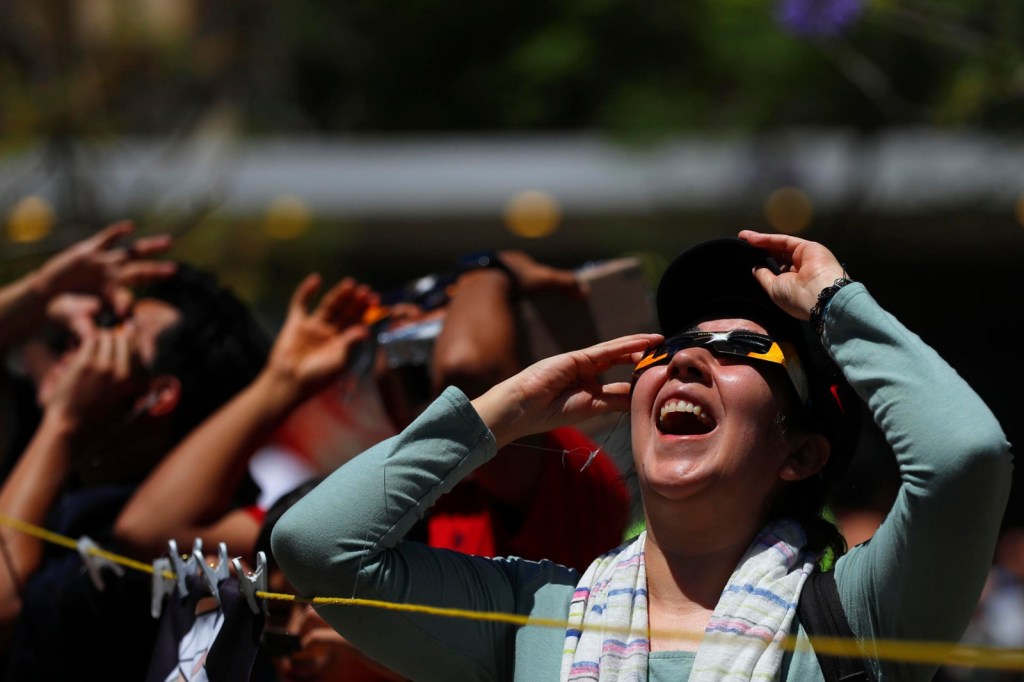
<point>739,421</point>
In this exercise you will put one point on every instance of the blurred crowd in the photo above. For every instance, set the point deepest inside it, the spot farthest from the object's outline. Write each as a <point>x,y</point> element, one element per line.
<point>145,408</point>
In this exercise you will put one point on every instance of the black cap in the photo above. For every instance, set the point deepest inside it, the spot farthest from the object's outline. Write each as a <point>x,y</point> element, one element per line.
<point>714,279</point>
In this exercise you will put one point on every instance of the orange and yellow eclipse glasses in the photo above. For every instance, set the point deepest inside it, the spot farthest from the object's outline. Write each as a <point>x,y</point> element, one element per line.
<point>731,344</point>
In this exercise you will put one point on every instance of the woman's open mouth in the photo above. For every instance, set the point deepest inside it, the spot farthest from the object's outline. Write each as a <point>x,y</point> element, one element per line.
<point>683,418</point>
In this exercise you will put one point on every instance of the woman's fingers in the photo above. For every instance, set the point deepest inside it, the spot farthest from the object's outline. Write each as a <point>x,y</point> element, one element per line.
<point>620,350</point>
<point>775,244</point>
<point>303,293</point>
<point>144,272</point>
<point>106,237</point>
<point>122,357</point>
<point>765,277</point>
<point>346,303</point>
<point>144,247</point>
<point>351,308</point>
<point>105,350</point>
<point>336,298</point>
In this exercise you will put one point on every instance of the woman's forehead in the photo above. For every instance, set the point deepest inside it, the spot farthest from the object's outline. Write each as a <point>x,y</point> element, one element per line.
<point>729,324</point>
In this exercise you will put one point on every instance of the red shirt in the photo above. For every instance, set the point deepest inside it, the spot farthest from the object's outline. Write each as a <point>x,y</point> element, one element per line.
<point>574,516</point>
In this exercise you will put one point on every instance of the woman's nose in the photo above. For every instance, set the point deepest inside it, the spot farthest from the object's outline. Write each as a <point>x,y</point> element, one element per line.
<point>690,364</point>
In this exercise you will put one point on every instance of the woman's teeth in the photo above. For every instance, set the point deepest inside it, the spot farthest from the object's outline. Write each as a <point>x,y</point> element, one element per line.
<point>681,417</point>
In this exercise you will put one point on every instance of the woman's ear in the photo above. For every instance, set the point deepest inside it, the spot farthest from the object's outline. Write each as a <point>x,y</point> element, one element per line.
<point>808,457</point>
<point>162,397</point>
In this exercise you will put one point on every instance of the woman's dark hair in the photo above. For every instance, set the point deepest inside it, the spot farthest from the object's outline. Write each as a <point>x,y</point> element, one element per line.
<point>805,501</point>
<point>215,349</point>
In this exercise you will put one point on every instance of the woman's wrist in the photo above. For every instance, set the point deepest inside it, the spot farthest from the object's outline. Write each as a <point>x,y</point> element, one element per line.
<point>499,413</point>
<point>278,389</point>
<point>489,277</point>
<point>825,296</point>
<point>487,264</point>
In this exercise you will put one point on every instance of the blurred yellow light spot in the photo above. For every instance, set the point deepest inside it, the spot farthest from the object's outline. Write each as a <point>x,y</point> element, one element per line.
<point>788,210</point>
<point>1020,209</point>
<point>533,214</point>
<point>30,220</point>
<point>287,218</point>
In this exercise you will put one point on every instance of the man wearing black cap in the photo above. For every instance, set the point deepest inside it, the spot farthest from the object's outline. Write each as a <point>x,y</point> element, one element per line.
<point>735,418</point>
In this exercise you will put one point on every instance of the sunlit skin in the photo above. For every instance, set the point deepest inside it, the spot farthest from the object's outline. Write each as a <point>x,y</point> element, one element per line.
<point>740,458</point>
<point>705,495</point>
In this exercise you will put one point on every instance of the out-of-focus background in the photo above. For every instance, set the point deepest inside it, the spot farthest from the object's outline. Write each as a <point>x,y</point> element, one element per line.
<point>383,140</point>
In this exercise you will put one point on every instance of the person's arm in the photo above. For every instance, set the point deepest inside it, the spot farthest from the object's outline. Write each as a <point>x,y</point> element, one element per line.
<point>479,347</point>
<point>344,538</point>
<point>184,497</point>
<point>93,266</point>
<point>93,393</point>
<point>920,575</point>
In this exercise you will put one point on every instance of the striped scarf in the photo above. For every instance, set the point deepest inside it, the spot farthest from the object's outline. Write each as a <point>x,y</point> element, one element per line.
<point>608,637</point>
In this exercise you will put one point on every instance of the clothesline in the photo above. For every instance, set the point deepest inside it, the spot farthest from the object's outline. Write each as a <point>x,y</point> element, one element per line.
<point>936,653</point>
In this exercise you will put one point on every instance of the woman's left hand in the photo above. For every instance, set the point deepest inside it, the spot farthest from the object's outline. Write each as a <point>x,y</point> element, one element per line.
<point>315,346</point>
<point>807,268</point>
<point>560,390</point>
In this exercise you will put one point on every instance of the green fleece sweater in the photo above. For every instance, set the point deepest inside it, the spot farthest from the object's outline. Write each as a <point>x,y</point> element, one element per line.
<point>917,579</point>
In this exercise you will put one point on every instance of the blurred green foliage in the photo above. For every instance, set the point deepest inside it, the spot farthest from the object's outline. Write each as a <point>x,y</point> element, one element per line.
<point>76,73</point>
<point>634,69</point>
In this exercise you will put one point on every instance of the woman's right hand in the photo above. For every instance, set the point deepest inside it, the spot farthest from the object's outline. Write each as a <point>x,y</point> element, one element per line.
<point>99,382</point>
<point>560,390</point>
<point>315,346</point>
<point>96,266</point>
<point>807,268</point>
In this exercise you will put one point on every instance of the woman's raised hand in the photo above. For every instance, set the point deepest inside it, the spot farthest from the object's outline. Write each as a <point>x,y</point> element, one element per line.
<point>99,382</point>
<point>560,390</point>
<point>97,266</point>
<point>314,346</point>
<point>807,268</point>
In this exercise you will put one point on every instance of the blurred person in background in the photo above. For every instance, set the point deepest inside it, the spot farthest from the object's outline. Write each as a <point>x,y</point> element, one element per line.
<point>42,313</point>
<point>313,349</point>
<point>70,289</point>
<point>529,499</point>
<point>183,498</point>
<point>998,619</point>
<point>478,342</point>
<point>297,643</point>
<point>138,372</point>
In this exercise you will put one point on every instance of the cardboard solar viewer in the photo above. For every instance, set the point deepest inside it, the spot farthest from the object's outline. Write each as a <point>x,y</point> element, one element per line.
<point>618,302</point>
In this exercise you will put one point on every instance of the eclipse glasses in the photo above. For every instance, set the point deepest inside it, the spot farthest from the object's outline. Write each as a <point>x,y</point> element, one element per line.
<point>737,343</point>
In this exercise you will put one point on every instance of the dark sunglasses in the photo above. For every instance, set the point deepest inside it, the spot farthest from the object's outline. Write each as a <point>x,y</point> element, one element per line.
<point>731,344</point>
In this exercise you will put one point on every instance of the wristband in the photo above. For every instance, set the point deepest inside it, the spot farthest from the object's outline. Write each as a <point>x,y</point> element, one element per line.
<point>483,260</point>
<point>818,311</point>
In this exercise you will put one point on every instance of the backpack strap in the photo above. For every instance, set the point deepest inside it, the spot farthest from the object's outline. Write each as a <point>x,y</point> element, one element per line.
<point>821,613</point>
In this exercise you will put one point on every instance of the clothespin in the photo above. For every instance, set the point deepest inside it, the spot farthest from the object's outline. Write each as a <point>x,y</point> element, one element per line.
<point>212,574</point>
<point>183,564</point>
<point>94,562</point>
<point>162,585</point>
<point>254,582</point>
